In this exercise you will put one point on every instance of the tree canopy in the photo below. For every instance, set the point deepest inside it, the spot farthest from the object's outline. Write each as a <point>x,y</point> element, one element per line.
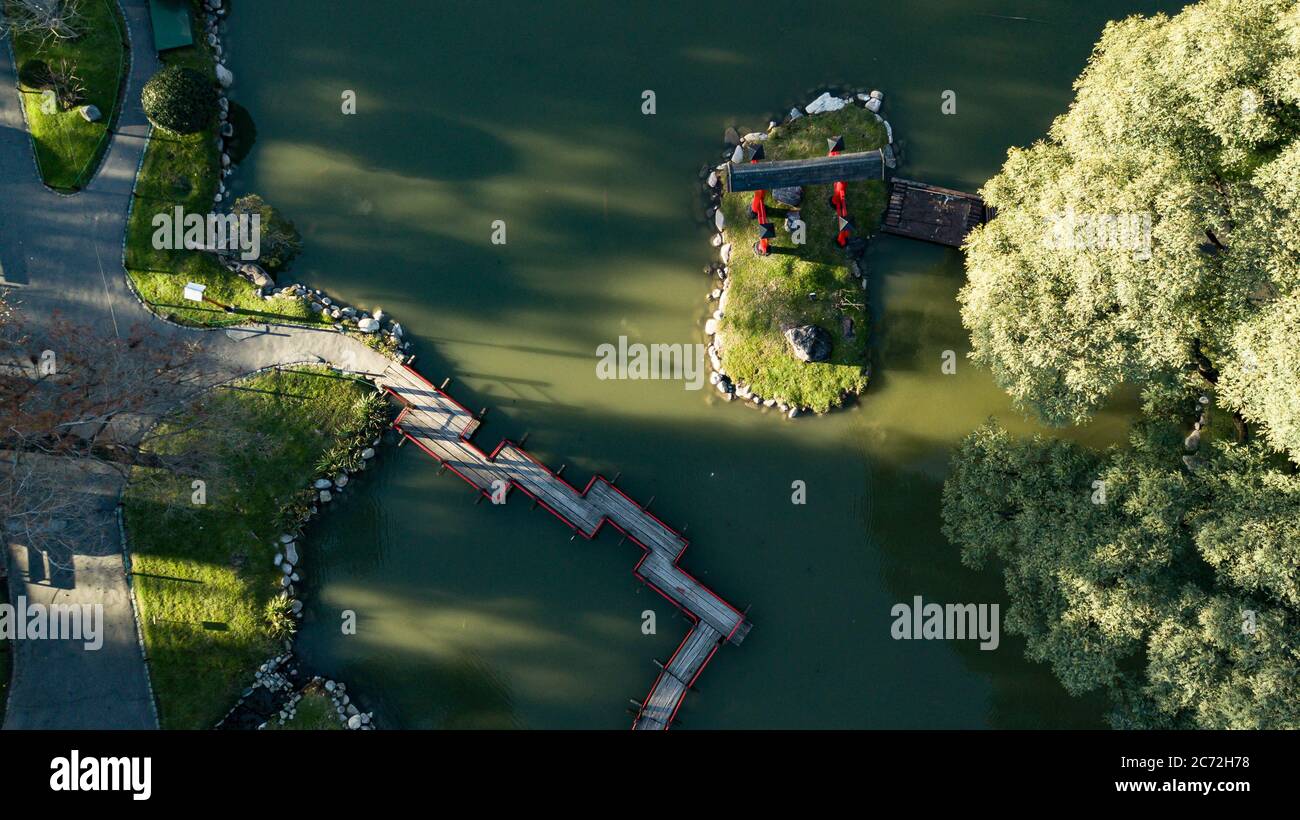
<point>280,240</point>
<point>1156,229</point>
<point>1175,590</point>
<point>179,99</point>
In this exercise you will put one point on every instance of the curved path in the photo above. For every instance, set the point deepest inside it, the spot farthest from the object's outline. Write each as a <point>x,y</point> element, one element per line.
<point>64,253</point>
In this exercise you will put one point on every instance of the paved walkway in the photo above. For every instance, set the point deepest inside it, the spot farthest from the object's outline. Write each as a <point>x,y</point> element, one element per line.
<point>64,253</point>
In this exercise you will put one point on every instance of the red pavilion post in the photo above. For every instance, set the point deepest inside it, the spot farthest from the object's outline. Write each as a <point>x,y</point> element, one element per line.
<point>758,210</point>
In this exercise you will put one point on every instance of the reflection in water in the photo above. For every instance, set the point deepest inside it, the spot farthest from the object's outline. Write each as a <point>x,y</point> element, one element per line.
<point>482,616</point>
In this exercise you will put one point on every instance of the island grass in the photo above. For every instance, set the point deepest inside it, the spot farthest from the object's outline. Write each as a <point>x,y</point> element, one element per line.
<point>68,148</point>
<point>185,170</point>
<point>204,574</point>
<point>314,712</point>
<point>766,293</point>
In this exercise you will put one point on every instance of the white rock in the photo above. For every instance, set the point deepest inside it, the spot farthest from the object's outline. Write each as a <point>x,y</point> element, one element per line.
<point>754,136</point>
<point>325,496</point>
<point>719,221</point>
<point>286,568</point>
<point>291,553</point>
<point>224,76</point>
<point>889,133</point>
<point>711,327</point>
<point>725,252</point>
<point>712,181</point>
<point>873,105</point>
<point>368,453</point>
<point>323,484</point>
<point>341,480</point>
<point>825,103</point>
<point>738,155</point>
<point>354,722</point>
<point>877,94</point>
<point>368,325</point>
<point>278,559</point>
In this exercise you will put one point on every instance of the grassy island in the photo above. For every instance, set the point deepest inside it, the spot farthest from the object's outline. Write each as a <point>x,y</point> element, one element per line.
<point>767,293</point>
<point>203,573</point>
<point>60,77</point>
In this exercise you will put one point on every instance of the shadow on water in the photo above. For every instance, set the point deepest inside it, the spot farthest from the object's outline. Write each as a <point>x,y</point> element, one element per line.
<point>490,616</point>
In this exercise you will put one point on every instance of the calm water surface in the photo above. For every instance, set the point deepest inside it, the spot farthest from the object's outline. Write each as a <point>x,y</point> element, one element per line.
<point>478,616</point>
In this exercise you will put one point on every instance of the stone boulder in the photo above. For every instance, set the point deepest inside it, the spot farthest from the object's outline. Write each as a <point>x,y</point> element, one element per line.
<point>368,325</point>
<point>90,113</point>
<point>788,196</point>
<point>256,275</point>
<point>224,76</point>
<point>825,103</point>
<point>808,342</point>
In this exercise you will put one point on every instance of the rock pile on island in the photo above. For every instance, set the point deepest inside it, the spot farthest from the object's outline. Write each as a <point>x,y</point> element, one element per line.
<point>788,196</point>
<point>808,342</point>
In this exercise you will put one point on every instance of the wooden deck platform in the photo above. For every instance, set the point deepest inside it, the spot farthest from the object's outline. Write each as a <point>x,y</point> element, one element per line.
<point>816,171</point>
<point>931,213</point>
<point>443,429</point>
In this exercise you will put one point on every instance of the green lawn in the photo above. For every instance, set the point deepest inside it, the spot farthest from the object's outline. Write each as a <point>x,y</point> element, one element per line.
<point>768,292</point>
<point>314,712</point>
<point>185,171</point>
<point>204,574</point>
<point>68,148</point>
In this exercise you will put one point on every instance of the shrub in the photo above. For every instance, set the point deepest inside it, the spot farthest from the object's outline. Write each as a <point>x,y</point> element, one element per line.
<point>180,100</point>
<point>281,241</point>
<point>36,74</point>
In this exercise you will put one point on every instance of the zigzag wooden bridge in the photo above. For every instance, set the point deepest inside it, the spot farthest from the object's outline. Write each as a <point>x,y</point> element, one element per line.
<point>443,428</point>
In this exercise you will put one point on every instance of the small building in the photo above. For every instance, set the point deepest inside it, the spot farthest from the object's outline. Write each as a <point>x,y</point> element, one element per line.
<point>173,26</point>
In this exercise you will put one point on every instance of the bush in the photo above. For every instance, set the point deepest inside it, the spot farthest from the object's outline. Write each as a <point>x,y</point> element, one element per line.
<point>36,74</point>
<point>281,241</point>
<point>180,100</point>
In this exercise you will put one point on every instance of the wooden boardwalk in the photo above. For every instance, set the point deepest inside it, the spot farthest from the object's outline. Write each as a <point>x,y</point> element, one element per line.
<point>443,429</point>
<point>931,213</point>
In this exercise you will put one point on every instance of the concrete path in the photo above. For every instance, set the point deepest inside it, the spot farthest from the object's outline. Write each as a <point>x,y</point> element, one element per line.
<point>64,253</point>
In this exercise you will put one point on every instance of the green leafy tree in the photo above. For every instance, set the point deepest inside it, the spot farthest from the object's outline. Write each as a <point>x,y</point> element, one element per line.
<point>180,100</point>
<point>1155,224</point>
<point>281,242</point>
<point>1129,573</point>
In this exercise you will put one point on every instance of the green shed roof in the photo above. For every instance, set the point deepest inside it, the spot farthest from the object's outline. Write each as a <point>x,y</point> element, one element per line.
<point>171,24</point>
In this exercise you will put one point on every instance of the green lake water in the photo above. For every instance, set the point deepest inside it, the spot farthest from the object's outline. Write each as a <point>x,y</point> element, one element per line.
<point>483,616</point>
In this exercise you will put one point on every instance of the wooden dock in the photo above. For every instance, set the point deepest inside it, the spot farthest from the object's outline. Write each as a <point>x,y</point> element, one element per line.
<point>931,213</point>
<point>443,429</point>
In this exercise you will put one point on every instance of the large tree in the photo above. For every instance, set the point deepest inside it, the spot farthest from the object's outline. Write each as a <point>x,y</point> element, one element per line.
<point>1156,229</point>
<point>1176,591</point>
<point>75,399</point>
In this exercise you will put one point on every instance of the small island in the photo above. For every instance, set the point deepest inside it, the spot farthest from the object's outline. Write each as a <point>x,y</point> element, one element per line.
<point>790,328</point>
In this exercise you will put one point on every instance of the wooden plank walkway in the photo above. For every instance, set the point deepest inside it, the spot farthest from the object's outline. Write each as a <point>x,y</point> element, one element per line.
<point>931,213</point>
<point>443,429</point>
<point>787,173</point>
